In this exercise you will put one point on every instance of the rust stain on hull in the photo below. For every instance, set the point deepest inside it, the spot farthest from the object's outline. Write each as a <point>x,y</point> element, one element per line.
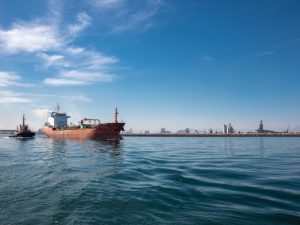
<point>101,131</point>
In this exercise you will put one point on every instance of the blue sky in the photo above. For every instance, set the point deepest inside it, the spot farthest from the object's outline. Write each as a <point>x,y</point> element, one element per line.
<point>174,64</point>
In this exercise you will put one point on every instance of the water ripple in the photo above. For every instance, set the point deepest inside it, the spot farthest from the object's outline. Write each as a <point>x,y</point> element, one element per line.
<point>150,181</point>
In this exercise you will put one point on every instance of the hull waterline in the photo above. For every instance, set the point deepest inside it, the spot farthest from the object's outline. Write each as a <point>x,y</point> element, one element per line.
<point>102,131</point>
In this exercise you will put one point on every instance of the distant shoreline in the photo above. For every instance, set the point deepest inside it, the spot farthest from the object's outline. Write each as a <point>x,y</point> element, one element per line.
<point>216,135</point>
<point>296,134</point>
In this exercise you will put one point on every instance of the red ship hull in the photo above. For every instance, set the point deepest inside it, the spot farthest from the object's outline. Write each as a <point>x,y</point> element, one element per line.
<point>101,131</point>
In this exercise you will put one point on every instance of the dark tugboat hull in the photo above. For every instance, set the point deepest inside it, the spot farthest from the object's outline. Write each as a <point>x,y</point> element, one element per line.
<point>24,135</point>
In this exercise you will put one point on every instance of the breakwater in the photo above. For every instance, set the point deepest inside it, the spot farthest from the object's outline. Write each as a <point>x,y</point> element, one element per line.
<point>7,131</point>
<point>297,134</point>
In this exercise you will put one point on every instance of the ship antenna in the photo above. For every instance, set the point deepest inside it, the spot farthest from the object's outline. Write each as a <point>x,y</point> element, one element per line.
<point>57,107</point>
<point>23,119</point>
<point>116,115</point>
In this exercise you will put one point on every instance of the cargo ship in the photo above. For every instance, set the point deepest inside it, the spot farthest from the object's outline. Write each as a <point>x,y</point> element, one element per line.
<point>57,127</point>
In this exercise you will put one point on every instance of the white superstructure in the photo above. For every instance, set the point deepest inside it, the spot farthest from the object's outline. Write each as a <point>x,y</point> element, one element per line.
<point>57,119</point>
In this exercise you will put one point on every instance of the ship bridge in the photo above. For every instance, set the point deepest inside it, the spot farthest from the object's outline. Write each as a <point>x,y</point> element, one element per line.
<point>58,119</point>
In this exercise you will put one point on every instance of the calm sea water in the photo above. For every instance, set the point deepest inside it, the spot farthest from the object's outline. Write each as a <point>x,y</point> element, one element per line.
<point>150,181</point>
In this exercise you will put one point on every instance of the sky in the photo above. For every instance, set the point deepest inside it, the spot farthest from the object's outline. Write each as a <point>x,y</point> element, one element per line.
<point>175,64</point>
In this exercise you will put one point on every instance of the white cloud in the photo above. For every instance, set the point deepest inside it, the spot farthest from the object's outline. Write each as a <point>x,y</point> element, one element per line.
<point>96,60</point>
<point>38,36</point>
<point>5,100</point>
<point>52,60</point>
<point>84,67</point>
<point>82,98</point>
<point>140,20</point>
<point>63,82</point>
<point>41,112</point>
<point>107,3</point>
<point>75,78</point>
<point>86,76</point>
<point>8,78</point>
<point>83,20</point>
<point>7,97</point>
<point>52,44</point>
<point>12,79</point>
<point>75,50</point>
<point>128,15</point>
<point>29,37</point>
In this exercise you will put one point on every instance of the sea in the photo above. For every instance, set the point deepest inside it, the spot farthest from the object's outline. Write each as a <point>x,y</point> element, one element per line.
<point>150,180</point>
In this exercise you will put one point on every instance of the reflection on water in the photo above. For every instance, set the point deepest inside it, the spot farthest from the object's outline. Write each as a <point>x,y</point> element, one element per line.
<point>233,146</point>
<point>261,146</point>
<point>63,145</point>
<point>228,146</point>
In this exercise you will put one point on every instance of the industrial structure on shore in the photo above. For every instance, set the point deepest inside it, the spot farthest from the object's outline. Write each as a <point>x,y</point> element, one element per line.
<point>228,130</point>
<point>261,129</point>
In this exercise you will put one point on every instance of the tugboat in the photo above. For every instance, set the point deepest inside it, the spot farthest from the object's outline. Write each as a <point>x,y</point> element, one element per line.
<point>23,131</point>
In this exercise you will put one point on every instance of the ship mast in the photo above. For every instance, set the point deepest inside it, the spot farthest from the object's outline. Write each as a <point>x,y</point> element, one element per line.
<point>116,115</point>
<point>23,120</point>
<point>57,107</point>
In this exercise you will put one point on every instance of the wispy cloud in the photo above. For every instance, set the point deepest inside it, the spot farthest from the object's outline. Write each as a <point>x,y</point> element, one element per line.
<point>63,82</point>
<point>140,20</point>
<point>12,79</point>
<point>83,20</point>
<point>265,53</point>
<point>81,67</point>
<point>8,97</point>
<point>81,98</point>
<point>89,59</point>
<point>50,60</point>
<point>74,78</point>
<point>108,4</point>
<point>8,78</point>
<point>75,51</point>
<point>125,15</point>
<point>85,76</point>
<point>41,112</point>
